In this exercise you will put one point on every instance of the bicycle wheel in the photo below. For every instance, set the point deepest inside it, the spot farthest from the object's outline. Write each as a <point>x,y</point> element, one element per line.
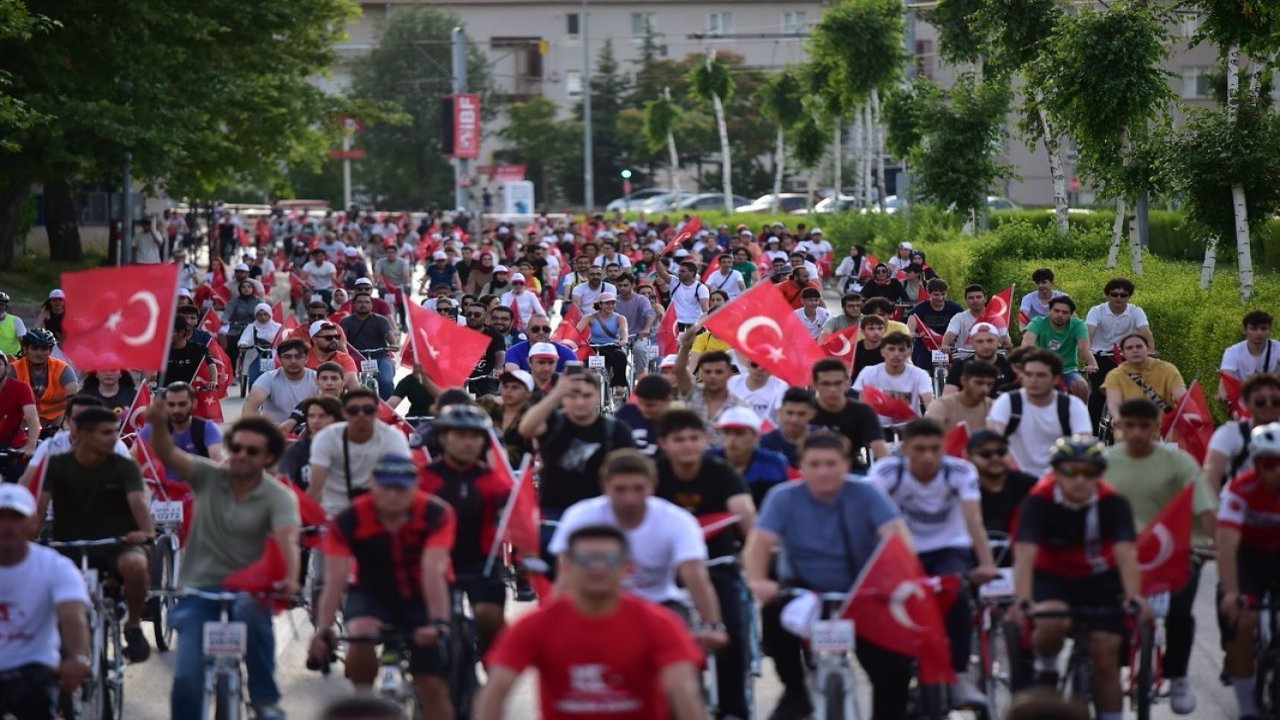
<point>163,578</point>
<point>113,672</point>
<point>226,696</point>
<point>996,672</point>
<point>462,666</point>
<point>833,696</point>
<point>1017,670</point>
<point>1142,690</point>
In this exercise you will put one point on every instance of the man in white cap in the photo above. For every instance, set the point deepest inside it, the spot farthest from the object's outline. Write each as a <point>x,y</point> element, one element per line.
<point>46,640</point>
<point>960,329</point>
<point>521,300</point>
<point>364,286</point>
<point>353,267</point>
<point>901,258</point>
<point>188,273</point>
<point>440,272</point>
<point>984,338</point>
<point>240,272</point>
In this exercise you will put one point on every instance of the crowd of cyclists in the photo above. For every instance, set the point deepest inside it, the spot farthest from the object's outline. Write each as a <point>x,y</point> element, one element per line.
<point>684,493</point>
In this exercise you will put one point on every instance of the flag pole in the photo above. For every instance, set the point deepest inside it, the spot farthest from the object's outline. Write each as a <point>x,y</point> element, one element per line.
<point>506,512</point>
<point>173,312</point>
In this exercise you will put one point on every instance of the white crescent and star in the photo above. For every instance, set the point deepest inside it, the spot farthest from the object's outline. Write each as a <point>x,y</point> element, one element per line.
<point>905,590</point>
<point>846,347</point>
<point>147,298</point>
<point>1003,307</point>
<point>1165,551</point>
<point>744,331</point>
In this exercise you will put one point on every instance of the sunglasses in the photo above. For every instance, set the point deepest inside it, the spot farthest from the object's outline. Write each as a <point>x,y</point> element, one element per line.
<point>1119,294</point>
<point>250,450</point>
<point>608,561</point>
<point>539,328</point>
<point>327,338</point>
<point>1265,402</point>
<point>321,316</point>
<point>1090,473</point>
<point>475,316</point>
<point>361,410</point>
<point>998,452</point>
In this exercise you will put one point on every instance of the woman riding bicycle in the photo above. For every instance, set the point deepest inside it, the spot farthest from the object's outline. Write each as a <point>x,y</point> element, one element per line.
<point>257,340</point>
<point>608,335</point>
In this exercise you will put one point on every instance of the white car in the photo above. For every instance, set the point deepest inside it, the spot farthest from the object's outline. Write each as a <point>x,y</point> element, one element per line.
<point>786,202</point>
<point>636,198</point>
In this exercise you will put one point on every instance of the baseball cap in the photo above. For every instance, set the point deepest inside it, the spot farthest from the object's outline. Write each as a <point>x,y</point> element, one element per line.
<point>745,232</point>
<point>319,326</point>
<point>981,438</point>
<point>241,267</point>
<point>605,297</point>
<point>364,281</point>
<point>351,252</point>
<point>503,229</point>
<point>439,255</point>
<point>521,376</point>
<point>543,349</point>
<point>395,471</point>
<point>500,268</point>
<point>517,278</point>
<point>816,231</point>
<point>668,361</point>
<point>18,499</point>
<point>57,293</point>
<point>739,417</point>
<point>983,327</point>
<point>904,244</point>
<point>681,253</point>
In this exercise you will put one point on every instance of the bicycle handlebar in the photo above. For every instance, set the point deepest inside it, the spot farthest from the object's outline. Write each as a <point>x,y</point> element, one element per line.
<point>86,543</point>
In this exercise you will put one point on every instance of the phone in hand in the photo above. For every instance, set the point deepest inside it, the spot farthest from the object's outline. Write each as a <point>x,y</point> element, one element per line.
<point>573,368</point>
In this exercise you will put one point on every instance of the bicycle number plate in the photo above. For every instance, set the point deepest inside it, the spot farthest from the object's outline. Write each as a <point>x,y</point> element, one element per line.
<point>595,361</point>
<point>91,580</point>
<point>1159,604</point>
<point>369,366</point>
<point>998,588</point>
<point>831,636</point>
<point>940,357</point>
<point>229,639</point>
<point>166,512</point>
<point>266,365</point>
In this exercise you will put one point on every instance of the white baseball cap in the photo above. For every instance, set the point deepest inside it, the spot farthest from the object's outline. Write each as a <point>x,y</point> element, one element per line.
<point>668,361</point>
<point>351,252</point>
<point>681,253</point>
<point>500,268</point>
<point>739,417</point>
<point>57,293</point>
<point>319,325</point>
<point>241,267</point>
<point>816,231</point>
<point>517,278</point>
<point>18,499</point>
<point>983,327</point>
<point>364,281</point>
<point>905,244</point>
<point>503,229</point>
<point>543,349</point>
<point>745,233</point>
<point>439,255</point>
<point>522,376</point>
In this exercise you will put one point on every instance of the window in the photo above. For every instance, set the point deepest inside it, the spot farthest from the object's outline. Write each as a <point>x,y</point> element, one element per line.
<point>924,59</point>
<point>643,23</point>
<point>1190,24</point>
<point>1196,82</point>
<point>795,21</point>
<point>572,27</point>
<point>719,23</point>
<point>519,63</point>
<point>573,83</point>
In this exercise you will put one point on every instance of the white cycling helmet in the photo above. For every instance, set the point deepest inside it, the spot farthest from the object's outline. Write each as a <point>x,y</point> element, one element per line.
<point>1264,441</point>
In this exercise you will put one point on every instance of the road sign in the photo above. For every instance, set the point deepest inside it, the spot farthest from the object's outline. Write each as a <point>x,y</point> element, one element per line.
<point>350,124</point>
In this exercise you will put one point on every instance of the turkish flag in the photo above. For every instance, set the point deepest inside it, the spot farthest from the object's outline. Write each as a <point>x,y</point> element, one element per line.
<point>922,292</point>
<point>1164,547</point>
<point>668,339</point>
<point>207,405</point>
<point>210,322</point>
<point>446,350</point>
<point>221,366</point>
<point>120,317</point>
<point>1231,388</point>
<point>388,415</point>
<point>690,229</point>
<point>287,327</point>
<point>521,517</point>
<point>261,575</point>
<point>277,312</point>
<point>956,440</point>
<point>887,406</point>
<point>761,325</point>
<point>868,264</point>
<point>221,292</point>
<point>717,522</point>
<point>931,339</point>
<point>893,604</point>
<point>567,332</point>
<point>1023,318</point>
<point>842,344</point>
<point>1190,424</point>
<point>136,416</point>
<point>999,309</point>
<point>162,488</point>
<point>516,322</point>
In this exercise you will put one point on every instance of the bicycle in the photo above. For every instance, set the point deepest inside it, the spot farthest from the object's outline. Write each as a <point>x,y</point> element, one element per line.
<point>1266,667</point>
<point>750,631</point>
<point>831,643</point>
<point>368,359</point>
<point>167,515</point>
<point>1000,668</point>
<point>394,681</point>
<point>264,356</point>
<point>461,653</point>
<point>1077,681</point>
<point>101,697</point>
<point>609,400</point>
<point>941,366</point>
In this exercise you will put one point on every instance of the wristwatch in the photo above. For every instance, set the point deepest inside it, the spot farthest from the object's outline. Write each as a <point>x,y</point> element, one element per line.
<point>84,660</point>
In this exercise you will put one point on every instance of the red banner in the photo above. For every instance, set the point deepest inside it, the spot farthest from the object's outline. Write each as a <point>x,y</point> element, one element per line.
<point>466,125</point>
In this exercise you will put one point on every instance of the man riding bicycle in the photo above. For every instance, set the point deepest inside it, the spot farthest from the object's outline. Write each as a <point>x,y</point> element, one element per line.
<point>397,539</point>
<point>51,380</point>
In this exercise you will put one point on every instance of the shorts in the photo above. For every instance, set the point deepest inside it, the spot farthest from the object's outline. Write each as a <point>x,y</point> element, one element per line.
<point>106,560</point>
<point>1094,591</point>
<point>480,588</point>
<point>1257,572</point>
<point>1071,376</point>
<point>406,615</point>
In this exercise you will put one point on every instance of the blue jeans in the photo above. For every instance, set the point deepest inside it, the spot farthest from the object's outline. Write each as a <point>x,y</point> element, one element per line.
<point>386,376</point>
<point>188,618</point>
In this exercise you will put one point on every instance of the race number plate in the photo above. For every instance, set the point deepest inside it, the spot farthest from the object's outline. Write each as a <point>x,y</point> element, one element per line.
<point>166,512</point>
<point>998,588</point>
<point>266,365</point>
<point>940,358</point>
<point>369,366</point>
<point>91,580</point>
<point>832,636</point>
<point>226,639</point>
<point>595,361</point>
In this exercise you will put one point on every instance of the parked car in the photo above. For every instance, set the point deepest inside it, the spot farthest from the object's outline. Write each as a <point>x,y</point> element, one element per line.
<point>830,205</point>
<point>1001,203</point>
<point>663,203</point>
<point>787,202</point>
<point>636,198</point>
<point>711,201</point>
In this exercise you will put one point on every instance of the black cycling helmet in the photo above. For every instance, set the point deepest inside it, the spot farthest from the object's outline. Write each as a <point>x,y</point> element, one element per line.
<point>39,337</point>
<point>1078,449</point>
<point>463,417</point>
<point>4,297</point>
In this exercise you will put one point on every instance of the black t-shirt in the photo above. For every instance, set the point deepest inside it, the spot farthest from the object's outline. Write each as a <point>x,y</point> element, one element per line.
<point>367,334</point>
<point>856,421</point>
<point>864,357</point>
<point>1072,544</point>
<point>484,366</point>
<point>1002,367</point>
<point>708,492</point>
<point>572,455</point>
<point>91,502</point>
<point>998,508</point>
<point>184,361</point>
<point>936,320</point>
<point>420,399</point>
<point>118,403</point>
<point>891,291</point>
<point>641,428</point>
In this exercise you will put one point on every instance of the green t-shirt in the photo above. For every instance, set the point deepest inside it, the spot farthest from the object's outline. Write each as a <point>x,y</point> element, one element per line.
<point>227,534</point>
<point>1152,482</point>
<point>748,270</point>
<point>1064,342</point>
<point>91,503</point>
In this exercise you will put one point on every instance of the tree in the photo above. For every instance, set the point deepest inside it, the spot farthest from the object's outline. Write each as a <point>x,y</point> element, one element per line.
<point>537,138</point>
<point>779,100</point>
<point>196,93</point>
<point>660,117</point>
<point>711,82</point>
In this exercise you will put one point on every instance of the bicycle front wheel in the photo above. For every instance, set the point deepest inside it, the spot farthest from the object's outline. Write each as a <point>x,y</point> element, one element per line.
<point>1142,690</point>
<point>226,697</point>
<point>163,577</point>
<point>833,696</point>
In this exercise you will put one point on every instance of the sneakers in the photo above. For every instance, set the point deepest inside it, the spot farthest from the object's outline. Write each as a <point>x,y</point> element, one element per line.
<point>136,649</point>
<point>1182,699</point>
<point>965,694</point>
<point>792,706</point>
<point>268,711</point>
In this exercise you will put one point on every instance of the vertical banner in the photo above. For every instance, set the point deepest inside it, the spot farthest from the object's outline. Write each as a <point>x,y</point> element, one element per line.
<point>466,125</point>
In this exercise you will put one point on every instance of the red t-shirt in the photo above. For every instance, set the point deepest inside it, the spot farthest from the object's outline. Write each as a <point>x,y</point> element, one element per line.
<point>13,396</point>
<point>598,667</point>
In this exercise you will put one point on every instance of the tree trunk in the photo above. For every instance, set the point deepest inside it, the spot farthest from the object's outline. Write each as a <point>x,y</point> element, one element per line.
<point>1135,244</point>
<point>1239,209</point>
<point>878,147</point>
<point>837,158</point>
<point>12,196</point>
<point>673,162</point>
<point>866,154</point>
<point>726,170</point>
<point>779,163</point>
<point>859,192</point>
<point>1210,263</point>
<point>60,222</point>
<point>1117,231</point>
<point>1059,177</point>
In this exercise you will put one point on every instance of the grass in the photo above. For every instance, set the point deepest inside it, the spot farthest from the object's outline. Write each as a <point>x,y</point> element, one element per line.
<point>33,276</point>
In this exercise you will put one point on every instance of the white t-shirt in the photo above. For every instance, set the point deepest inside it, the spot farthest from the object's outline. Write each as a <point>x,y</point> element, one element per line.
<point>907,387</point>
<point>283,394</point>
<point>933,510</point>
<point>623,261</point>
<point>1038,429</point>
<point>1110,327</point>
<point>687,301</point>
<point>29,595</point>
<point>1228,441</point>
<point>961,323</point>
<point>326,452</point>
<point>320,276</point>
<point>1033,308</point>
<point>667,537</point>
<point>584,296</point>
<point>820,317</point>
<point>1238,360</point>
<point>526,302</point>
<point>764,400</point>
<point>819,248</point>
<point>732,284</point>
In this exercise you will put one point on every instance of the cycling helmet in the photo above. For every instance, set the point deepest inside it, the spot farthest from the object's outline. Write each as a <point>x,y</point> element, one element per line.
<point>39,337</point>
<point>4,297</point>
<point>1264,441</point>
<point>463,417</point>
<point>1078,448</point>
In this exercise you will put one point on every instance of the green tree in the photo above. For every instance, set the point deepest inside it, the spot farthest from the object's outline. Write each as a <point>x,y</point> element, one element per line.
<point>410,69</point>
<point>780,100</point>
<point>197,93</point>
<point>537,138</point>
<point>711,82</point>
<point>660,117</point>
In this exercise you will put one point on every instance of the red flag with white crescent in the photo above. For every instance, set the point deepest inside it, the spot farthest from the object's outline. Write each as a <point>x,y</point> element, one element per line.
<point>1164,546</point>
<point>668,339</point>
<point>932,340</point>
<point>120,317</point>
<point>446,350</point>
<point>1190,424</point>
<point>135,417</point>
<point>999,309</point>
<point>1231,388</point>
<point>842,344</point>
<point>761,325</point>
<point>688,231</point>
<point>888,406</point>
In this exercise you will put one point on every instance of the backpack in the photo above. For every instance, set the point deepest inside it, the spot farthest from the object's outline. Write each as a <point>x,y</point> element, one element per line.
<point>1015,413</point>
<point>1243,456</point>
<point>901,469</point>
<point>197,435</point>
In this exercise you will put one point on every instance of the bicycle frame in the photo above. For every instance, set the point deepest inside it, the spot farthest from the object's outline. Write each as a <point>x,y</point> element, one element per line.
<point>103,691</point>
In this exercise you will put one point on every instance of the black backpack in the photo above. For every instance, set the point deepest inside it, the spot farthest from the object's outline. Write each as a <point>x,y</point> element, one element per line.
<point>1243,456</point>
<point>1015,413</point>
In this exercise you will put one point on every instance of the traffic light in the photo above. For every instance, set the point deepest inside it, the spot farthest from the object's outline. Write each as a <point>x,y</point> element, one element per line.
<point>626,174</point>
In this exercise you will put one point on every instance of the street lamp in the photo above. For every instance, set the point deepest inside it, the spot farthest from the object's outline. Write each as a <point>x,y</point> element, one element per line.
<point>626,188</point>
